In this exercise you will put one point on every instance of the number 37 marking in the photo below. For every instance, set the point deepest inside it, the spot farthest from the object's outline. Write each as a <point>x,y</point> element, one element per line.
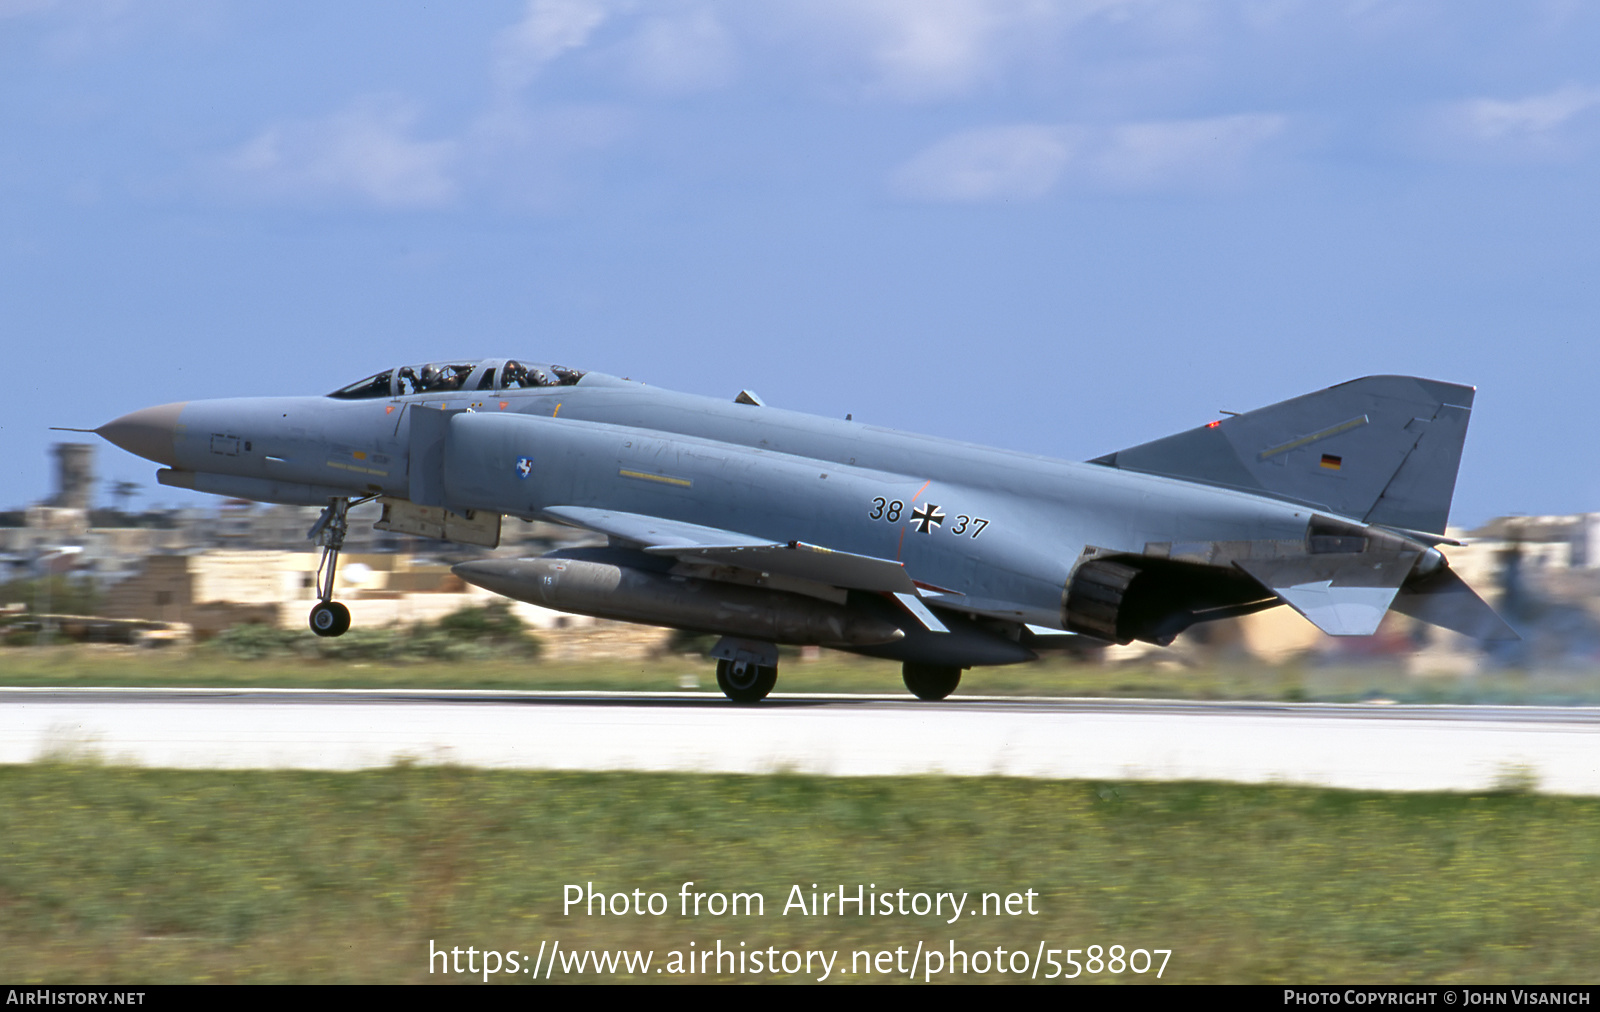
<point>978,524</point>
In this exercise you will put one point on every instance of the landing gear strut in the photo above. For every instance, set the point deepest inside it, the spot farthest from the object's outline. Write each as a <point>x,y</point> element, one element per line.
<point>930,681</point>
<point>329,617</point>
<point>745,681</point>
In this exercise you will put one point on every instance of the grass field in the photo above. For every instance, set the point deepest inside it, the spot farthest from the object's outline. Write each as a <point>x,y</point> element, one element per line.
<point>122,875</point>
<point>833,672</point>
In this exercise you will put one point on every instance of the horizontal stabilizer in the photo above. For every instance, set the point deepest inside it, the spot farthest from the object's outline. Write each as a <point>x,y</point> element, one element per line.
<point>1444,599</point>
<point>1343,594</point>
<point>692,542</point>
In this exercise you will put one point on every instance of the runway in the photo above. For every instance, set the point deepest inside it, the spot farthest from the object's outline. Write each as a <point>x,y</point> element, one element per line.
<point>1364,746</point>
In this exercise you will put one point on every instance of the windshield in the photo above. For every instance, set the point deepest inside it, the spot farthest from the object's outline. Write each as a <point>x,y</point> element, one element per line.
<point>372,386</point>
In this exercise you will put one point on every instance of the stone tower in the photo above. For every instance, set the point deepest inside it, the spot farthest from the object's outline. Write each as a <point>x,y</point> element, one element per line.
<point>74,475</point>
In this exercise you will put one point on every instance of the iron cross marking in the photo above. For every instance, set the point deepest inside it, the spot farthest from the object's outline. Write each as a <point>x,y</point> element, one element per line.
<point>926,518</point>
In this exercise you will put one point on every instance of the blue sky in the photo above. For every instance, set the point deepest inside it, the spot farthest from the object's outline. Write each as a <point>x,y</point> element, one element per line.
<point>1057,227</point>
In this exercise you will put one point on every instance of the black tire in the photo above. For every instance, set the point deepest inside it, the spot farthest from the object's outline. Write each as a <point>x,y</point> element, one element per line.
<point>930,681</point>
<point>330,618</point>
<point>745,681</point>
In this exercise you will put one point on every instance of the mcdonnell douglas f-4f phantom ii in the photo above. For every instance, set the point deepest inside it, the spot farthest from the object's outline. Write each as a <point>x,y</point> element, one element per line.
<point>766,526</point>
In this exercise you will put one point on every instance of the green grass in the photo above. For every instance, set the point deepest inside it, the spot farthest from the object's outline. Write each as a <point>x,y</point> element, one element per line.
<point>833,672</point>
<point>124,875</point>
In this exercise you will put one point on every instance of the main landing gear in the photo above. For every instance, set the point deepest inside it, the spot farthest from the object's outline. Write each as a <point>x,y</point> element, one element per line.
<point>329,617</point>
<point>746,669</point>
<point>930,681</point>
<point>745,681</point>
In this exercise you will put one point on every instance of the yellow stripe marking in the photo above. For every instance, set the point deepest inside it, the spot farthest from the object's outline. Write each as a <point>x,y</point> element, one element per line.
<point>663,478</point>
<point>1307,440</point>
<point>351,467</point>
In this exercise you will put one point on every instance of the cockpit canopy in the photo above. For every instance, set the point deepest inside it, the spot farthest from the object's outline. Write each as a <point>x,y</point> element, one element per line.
<point>488,374</point>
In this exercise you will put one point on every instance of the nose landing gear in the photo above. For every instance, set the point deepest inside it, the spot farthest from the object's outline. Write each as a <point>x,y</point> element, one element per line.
<point>329,617</point>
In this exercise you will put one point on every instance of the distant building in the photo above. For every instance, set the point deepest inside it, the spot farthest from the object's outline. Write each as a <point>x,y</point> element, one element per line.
<point>74,476</point>
<point>213,590</point>
<point>111,545</point>
<point>1568,542</point>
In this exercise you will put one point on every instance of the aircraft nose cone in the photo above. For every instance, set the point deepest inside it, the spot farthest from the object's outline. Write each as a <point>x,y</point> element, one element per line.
<point>148,432</point>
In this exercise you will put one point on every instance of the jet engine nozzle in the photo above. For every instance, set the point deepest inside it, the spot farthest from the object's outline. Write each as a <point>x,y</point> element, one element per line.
<point>1431,562</point>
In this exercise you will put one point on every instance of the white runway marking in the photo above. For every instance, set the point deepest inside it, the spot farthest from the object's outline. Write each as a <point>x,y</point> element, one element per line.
<point>1555,749</point>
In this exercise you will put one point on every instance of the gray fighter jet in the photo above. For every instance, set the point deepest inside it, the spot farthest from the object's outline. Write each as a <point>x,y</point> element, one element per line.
<point>766,526</point>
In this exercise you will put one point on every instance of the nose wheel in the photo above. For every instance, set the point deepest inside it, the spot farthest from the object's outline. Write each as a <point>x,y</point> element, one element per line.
<point>329,617</point>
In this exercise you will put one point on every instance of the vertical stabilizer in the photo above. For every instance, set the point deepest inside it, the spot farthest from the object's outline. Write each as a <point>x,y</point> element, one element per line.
<point>1384,449</point>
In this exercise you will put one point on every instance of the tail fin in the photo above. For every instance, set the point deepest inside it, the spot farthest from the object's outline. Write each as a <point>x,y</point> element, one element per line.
<point>1384,449</point>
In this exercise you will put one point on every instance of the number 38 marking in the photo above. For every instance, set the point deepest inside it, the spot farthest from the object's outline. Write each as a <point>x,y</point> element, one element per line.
<point>881,505</point>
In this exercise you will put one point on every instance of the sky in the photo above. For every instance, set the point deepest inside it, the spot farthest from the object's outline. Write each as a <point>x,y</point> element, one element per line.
<point>1063,228</point>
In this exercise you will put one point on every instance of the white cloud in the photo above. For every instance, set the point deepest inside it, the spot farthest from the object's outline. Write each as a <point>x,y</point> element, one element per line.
<point>935,47</point>
<point>77,30</point>
<point>366,150</point>
<point>1493,119</point>
<point>919,50</point>
<point>1027,161</point>
<point>674,47</point>
<point>548,29</point>
<point>1556,126</point>
<point>1181,153</point>
<point>22,8</point>
<point>686,51</point>
<point>995,163</point>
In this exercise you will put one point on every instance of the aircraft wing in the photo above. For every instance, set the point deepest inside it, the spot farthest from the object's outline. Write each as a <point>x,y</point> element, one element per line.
<point>653,533</point>
<point>692,542</point>
<point>808,562</point>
